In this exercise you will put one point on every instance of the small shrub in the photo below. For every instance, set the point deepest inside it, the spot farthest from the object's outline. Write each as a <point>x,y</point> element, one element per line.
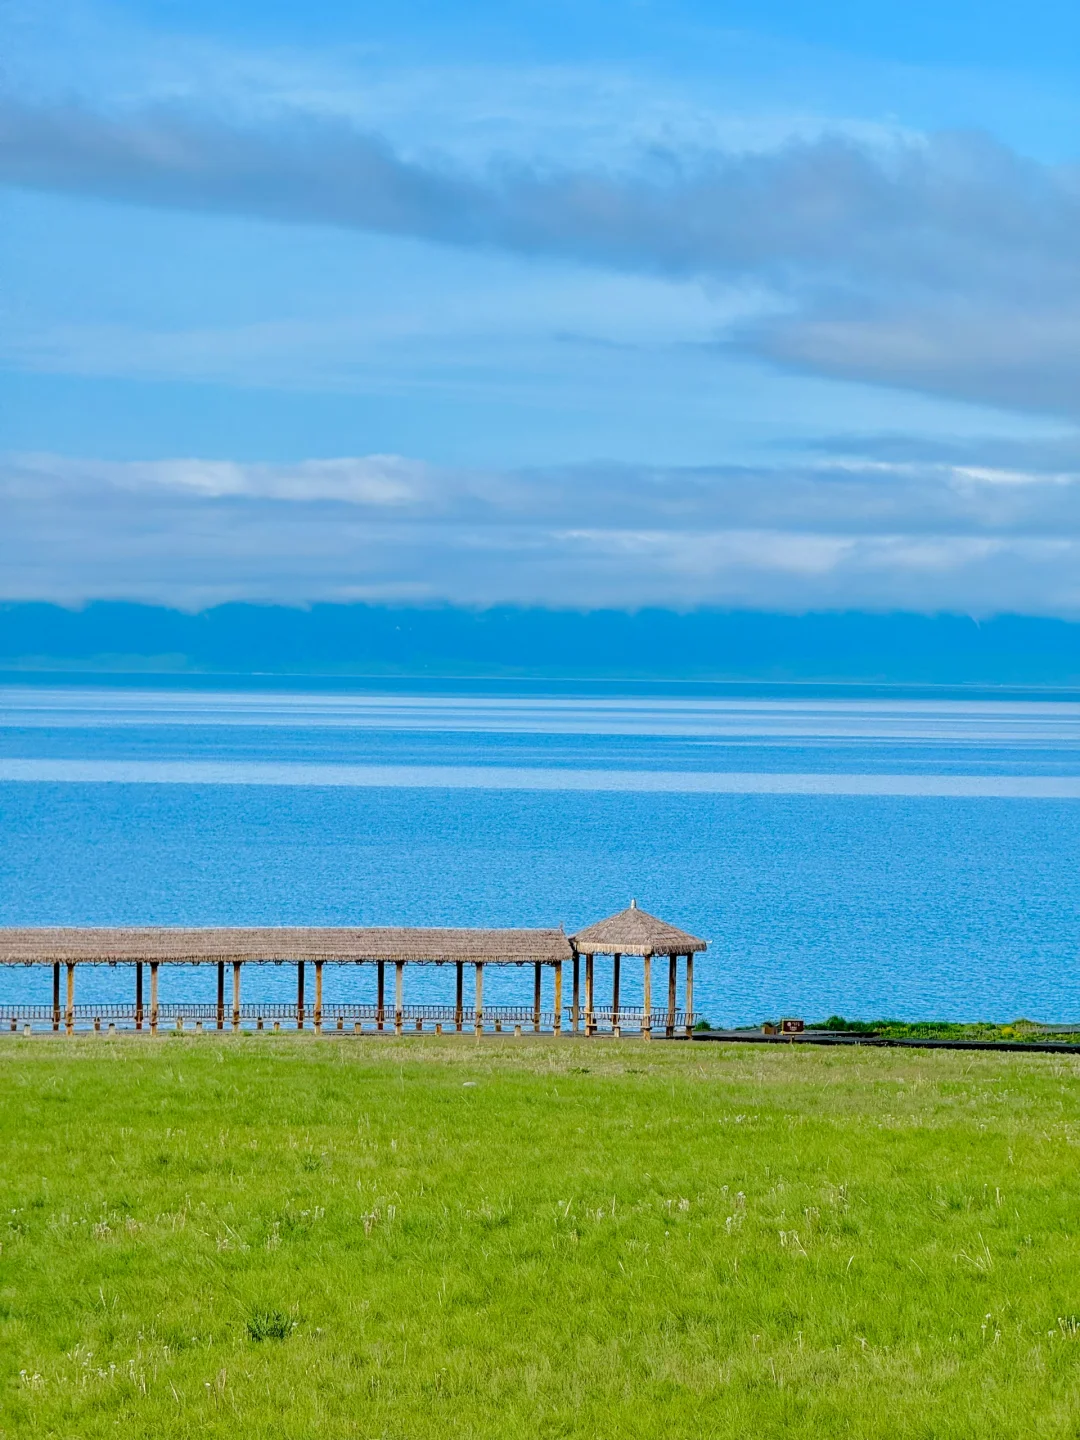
<point>268,1324</point>
<point>703,1024</point>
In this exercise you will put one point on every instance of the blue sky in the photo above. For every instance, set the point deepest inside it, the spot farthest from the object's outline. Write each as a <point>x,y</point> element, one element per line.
<point>572,304</point>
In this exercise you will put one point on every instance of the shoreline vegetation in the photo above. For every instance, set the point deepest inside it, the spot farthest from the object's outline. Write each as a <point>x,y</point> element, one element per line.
<point>417,1238</point>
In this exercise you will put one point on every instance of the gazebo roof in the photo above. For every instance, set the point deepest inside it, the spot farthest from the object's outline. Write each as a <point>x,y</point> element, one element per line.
<point>635,932</point>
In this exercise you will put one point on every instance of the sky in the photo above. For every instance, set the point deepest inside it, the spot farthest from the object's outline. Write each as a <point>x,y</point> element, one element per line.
<point>612,303</point>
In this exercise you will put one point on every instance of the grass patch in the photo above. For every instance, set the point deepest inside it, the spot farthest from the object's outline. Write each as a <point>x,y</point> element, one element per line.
<point>1024,1030</point>
<point>290,1238</point>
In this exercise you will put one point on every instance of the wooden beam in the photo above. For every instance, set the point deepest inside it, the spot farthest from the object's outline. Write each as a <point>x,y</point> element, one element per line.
<point>689,1001</point>
<point>478,1019</point>
<point>589,1022</point>
<point>380,996</point>
<point>69,1009</point>
<point>616,966</point>
<point>138,995</point>
<point>558,997</point>
<point>536,997</point>
<point>300,994</point>
<point>318,997</point>
<point>221,994</point>
<point>575,1004</point>
<point>153,997</point>
<point>399,995</point>
<point>236,995</point>
<point>56,995</point>
<point>646,997</point>
<point>459,995</point>
<point>672,980</point>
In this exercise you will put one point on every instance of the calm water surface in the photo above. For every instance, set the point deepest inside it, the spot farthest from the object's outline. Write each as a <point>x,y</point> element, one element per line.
<point>864,857</point>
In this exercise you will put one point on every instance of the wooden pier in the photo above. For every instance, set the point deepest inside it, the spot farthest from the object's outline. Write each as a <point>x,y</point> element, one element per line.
<point>631,933</point>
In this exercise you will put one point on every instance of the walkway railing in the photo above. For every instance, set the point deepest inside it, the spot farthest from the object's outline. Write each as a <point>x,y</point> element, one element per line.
<point>183,1016</point>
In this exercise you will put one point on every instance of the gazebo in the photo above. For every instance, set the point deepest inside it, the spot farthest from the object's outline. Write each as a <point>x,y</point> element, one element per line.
<point>635,932</point>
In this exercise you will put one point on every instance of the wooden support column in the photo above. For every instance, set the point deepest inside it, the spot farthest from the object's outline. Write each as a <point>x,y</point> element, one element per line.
<point>689,1001</point>
<point>459,995</point>
<point>318,997</point>
<point>575,1004</point>
<point>69,1009</point>
<point>616,966</point>
<point>478,1020</point>
<point>221,994</point>
<point>672,980</point>
<point>300,994</point>
<point>399,995</point>
<point>153,997</point>
<point>138,995</point>
<point>536,997</point>
<point>646,997</point>
<point>558,998</point>
<point>236,995</point>
<point>380,996</point>
<point>56,995</point>
<point>590,1024</point>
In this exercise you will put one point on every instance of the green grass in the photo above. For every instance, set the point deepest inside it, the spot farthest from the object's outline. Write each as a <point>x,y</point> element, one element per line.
<point>279,1236</point>
<point>1028,1031</point>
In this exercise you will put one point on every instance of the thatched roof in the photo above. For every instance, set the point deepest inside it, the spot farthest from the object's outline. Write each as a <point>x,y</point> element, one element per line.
<point>634,932</point>
<point>292,943</point>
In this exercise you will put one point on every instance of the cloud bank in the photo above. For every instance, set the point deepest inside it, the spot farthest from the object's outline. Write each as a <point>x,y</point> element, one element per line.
<point>892,529</point>
<point>946,263</point>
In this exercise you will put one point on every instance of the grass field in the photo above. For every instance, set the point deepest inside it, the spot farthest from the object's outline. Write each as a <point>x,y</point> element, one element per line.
<point>277,1236</point>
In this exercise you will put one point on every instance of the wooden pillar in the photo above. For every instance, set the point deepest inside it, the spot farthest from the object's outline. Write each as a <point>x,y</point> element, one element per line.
<point>689,1001</point>
<point>300,994</point>
<point>380,996</point>
<point>672,978</point>
<point>318,997</point>
<point>138,995</point>
<point>221,994</point>
<point>69,1009</point>
<point>575,1004</point>
<point>536,997</point>
<point>399,995</point>
<point>646,997</point>
<point>459,995</point>
<point>616,966</point>
<point>236,995</point>
<point>558,998</point>
<point>56,995</point>
<point>478,1020</point>
<point>589,1022</point>
<point>153,996</point>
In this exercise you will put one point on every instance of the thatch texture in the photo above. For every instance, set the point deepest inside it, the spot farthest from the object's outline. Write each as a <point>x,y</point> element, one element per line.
<point>634,932</point>
<point>292,943</point>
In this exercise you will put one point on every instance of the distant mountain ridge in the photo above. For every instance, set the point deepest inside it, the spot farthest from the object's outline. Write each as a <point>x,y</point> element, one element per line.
<point>508,642</point>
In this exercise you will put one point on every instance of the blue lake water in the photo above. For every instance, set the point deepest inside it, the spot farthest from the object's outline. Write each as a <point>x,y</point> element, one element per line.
<point>867,857</point>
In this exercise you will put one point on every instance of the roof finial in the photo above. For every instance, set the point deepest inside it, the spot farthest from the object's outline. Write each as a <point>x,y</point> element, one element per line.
<point>633,904</point>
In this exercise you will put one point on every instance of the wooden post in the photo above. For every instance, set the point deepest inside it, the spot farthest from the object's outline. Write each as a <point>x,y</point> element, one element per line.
<point>399,995</point>
<point>236,995</point>
<point>589,1022</point>
<point>558,998</point>
<point>138,995</point>
<point>536,997</point>
<point>616,966</point>
<point>56,995</point>
<point>221,994</point>
<point>300,994</point>
<point>380,996</point>
<point>459,995</point>
<point>153,996</point>
<point>646,997</point>
<point>478,1020</point>
<point>672,978</point>
<point>689,1002</point>
<point>318,997</point>
<point>69,1010</point>
<point>575,1005</point>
